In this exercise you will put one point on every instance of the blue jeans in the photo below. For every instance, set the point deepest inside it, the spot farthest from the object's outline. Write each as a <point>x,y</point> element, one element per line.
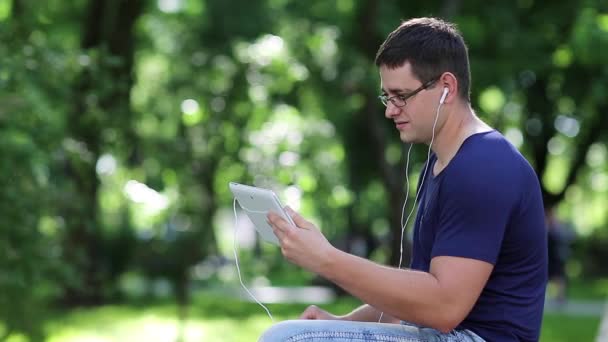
<point>341,331</point>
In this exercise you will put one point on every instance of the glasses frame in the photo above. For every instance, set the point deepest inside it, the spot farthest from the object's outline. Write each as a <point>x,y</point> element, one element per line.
<point>393,99</point>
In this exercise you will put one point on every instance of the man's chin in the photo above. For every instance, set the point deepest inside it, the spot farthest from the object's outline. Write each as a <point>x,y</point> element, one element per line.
<point>411,139</point>
<point>407,138</point>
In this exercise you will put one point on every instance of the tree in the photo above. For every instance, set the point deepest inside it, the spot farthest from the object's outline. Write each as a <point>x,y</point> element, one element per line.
<point>101,102</point>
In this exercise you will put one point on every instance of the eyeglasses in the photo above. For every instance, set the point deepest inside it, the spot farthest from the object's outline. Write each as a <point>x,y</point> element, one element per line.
<point>401,100</point>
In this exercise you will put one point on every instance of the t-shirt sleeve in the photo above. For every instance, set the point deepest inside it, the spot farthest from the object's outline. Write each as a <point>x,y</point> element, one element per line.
<point>474,213</point>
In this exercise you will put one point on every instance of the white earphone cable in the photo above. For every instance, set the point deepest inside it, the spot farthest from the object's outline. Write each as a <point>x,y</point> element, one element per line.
<point>236,258</point>
<point>407,187</point>
<point>428,156</point>
<point>404,225</point>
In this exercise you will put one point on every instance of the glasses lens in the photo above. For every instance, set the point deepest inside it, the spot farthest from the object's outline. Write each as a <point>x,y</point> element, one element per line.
<point>398,101</point>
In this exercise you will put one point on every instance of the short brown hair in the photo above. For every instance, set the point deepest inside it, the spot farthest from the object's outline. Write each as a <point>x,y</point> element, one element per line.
<point>431,46</point>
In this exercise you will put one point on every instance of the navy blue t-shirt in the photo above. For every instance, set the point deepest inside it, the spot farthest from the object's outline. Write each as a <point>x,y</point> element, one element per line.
<point>486,204</point>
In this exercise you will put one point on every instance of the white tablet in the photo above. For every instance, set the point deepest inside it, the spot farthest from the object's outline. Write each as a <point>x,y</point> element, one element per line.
<point>256,203</point>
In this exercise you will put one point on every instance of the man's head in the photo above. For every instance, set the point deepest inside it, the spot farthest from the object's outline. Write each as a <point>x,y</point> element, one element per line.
<point>431,46</point>
<point>418,61</point>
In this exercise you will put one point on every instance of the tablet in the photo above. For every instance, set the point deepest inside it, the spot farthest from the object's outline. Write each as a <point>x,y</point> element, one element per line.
<point>256,203</point>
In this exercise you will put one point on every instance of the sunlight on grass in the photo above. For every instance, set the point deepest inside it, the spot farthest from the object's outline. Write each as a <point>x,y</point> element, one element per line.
<point>211,319</point>
<point>215,319</point>
<point>115,323</point>
<point>102,325</point>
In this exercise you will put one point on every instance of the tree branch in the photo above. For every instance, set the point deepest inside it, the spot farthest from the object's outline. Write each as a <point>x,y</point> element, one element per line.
<point>596,127</point>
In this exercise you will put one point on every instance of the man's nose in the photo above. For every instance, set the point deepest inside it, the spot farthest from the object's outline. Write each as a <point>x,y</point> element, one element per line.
<point>391,110</point>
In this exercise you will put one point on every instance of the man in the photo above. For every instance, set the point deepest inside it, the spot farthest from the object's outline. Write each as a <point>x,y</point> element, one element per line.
<point>479,265</point>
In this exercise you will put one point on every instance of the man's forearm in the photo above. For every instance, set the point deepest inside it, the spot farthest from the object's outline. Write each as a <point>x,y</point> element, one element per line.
<point>409,295</point>
<point>367,313</point>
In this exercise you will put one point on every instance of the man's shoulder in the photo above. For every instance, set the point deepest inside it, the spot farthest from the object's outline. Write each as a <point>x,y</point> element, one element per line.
<point>489,163</point>
<point>489,154</point>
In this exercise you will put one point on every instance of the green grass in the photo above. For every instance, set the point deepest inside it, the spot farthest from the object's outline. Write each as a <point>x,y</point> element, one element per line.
<point>214,319</point>
<point>564,328</point>
<point>210,319</point>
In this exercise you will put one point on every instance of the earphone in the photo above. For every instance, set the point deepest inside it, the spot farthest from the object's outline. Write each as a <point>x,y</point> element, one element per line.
<point>444,95</point>
<point>407,180</point>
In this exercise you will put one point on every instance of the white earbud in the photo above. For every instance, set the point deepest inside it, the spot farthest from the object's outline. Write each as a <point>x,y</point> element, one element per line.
<point>444,95</point>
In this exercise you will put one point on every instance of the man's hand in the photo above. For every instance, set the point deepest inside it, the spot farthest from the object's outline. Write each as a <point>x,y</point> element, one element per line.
<point>303,245</point>
<point>314,312</point>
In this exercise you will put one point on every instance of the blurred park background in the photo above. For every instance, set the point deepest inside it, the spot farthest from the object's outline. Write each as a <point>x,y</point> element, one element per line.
<point>122,122</point>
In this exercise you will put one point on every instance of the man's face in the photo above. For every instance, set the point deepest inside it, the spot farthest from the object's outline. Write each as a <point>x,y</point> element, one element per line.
<point>415,119</point>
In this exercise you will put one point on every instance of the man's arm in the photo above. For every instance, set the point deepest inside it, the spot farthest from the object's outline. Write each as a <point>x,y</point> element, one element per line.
<point>440,299</point>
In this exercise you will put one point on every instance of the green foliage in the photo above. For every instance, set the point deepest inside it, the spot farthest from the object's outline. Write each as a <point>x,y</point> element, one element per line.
<point>591,254</point>
<point>588,288</point>
<point>120,131</point>
<point>28,134</point>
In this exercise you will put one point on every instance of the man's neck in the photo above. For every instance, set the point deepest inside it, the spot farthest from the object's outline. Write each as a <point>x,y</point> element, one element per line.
<point>461,122</point>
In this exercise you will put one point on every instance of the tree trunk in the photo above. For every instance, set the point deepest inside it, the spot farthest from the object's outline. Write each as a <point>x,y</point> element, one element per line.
<point>108,29</point>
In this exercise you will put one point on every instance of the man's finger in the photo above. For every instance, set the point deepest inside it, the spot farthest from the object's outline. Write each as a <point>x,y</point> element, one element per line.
<point>274,218</point>
<point>309,313</point>
<point>279,225</point>
<point>276,229</point>
<point>297,218</point>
